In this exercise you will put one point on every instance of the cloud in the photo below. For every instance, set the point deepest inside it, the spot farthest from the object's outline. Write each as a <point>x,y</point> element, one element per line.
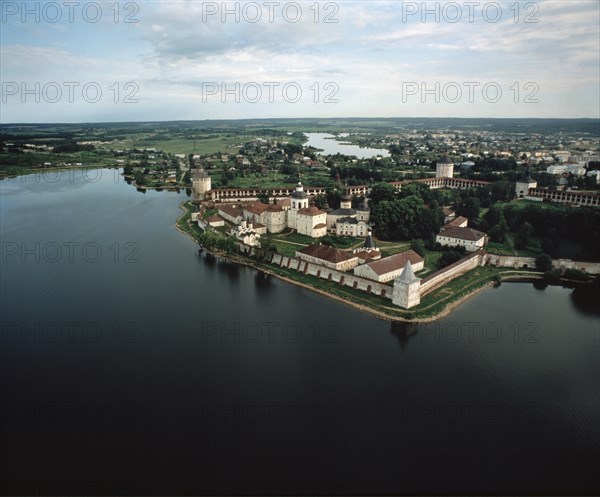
<point>368,53</point>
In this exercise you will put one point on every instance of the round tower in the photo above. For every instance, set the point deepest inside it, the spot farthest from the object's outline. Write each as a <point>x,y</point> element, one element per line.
<point>444,168</point>
<point>201,183</point>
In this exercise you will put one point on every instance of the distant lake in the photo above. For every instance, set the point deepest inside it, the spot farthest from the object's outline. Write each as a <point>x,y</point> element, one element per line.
<point>132,365</point>
<point>330,145</point>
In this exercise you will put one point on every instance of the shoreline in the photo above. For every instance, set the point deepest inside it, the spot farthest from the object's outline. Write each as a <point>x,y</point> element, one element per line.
<point>446,310</point>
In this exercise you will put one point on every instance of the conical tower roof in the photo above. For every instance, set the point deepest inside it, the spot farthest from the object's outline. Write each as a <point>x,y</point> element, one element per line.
<point>369,243</point>
<point>527,177</point>
<point>408,276</point>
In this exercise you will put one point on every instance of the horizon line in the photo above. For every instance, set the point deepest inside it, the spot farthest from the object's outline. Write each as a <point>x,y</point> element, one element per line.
<point>299,118</point>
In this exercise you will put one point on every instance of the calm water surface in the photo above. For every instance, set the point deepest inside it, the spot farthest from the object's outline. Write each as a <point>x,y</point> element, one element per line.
<point>330,145</point>
<point>129,364</point>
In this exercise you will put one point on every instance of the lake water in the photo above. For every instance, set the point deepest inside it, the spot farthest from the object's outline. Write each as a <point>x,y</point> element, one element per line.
<point>330,145</point>
<point>130,364</point>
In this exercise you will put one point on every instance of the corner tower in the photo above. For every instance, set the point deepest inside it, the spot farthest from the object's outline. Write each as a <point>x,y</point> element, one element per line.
<point>407,288</point>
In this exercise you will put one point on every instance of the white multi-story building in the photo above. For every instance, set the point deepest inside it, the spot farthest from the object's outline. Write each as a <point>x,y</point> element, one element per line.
<point>305,219</point>
<point>389,268</point>
<point>344,215</point>
<point>311,221</point>
<point>469,238</point>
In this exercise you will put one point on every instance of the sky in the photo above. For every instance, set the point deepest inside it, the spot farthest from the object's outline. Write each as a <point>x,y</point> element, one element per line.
<point>78,61</point>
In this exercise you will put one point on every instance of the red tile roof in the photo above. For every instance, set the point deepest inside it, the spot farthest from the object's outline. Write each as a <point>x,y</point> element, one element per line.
<point>326,253</point>
<point>231,210</point>
<point>456,222</point>
<point>256,208</point>
<point>468,234</point>
<point>311,211</point>
<point>395,262</point>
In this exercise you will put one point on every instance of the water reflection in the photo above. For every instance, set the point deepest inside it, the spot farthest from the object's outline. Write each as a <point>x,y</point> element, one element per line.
<point>232,270</point>
<point>586,298</point>
<point>262,282</point>
<point>403,332</point>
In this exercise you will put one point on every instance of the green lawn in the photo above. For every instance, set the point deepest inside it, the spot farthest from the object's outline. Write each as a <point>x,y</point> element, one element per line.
<point>286,249</point>
<point>296,238</point>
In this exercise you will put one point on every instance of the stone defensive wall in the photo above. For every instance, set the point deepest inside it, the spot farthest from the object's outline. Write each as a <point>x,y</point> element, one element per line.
<point>529,263</point>
<point>253,194</point>
<point>566,197</point>
<point>340,277</point>
<point>434,280</point>
<point>437,279</point>
<point>511,261</point>
<point>588,267</point>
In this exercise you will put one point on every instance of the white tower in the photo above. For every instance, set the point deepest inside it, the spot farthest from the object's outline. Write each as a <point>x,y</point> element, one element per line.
<point>444,168</point>
<point>407,288</point>
<point>201,183</point>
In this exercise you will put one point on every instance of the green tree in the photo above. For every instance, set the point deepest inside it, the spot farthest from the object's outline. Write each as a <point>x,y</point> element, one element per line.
<point>469,208</point>
<point>213,240</point>
<point>499,230</point>
<point>418,246</point>
<point>320,201</point>
<point>381,192</point>
<point>449,257</point>
<point>523,235</point>
<point>263,197</point>
<point>543,262</point>
<point>550,246</point>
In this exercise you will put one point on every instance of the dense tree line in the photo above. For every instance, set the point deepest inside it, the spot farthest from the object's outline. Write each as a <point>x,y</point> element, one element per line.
<point>553,226</point>
<point>413,213</point>
<point>70,147</point>
<point>213,240</point>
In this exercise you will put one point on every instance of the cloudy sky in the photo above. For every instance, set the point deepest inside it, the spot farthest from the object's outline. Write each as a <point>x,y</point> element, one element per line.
<point>169,60</point>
